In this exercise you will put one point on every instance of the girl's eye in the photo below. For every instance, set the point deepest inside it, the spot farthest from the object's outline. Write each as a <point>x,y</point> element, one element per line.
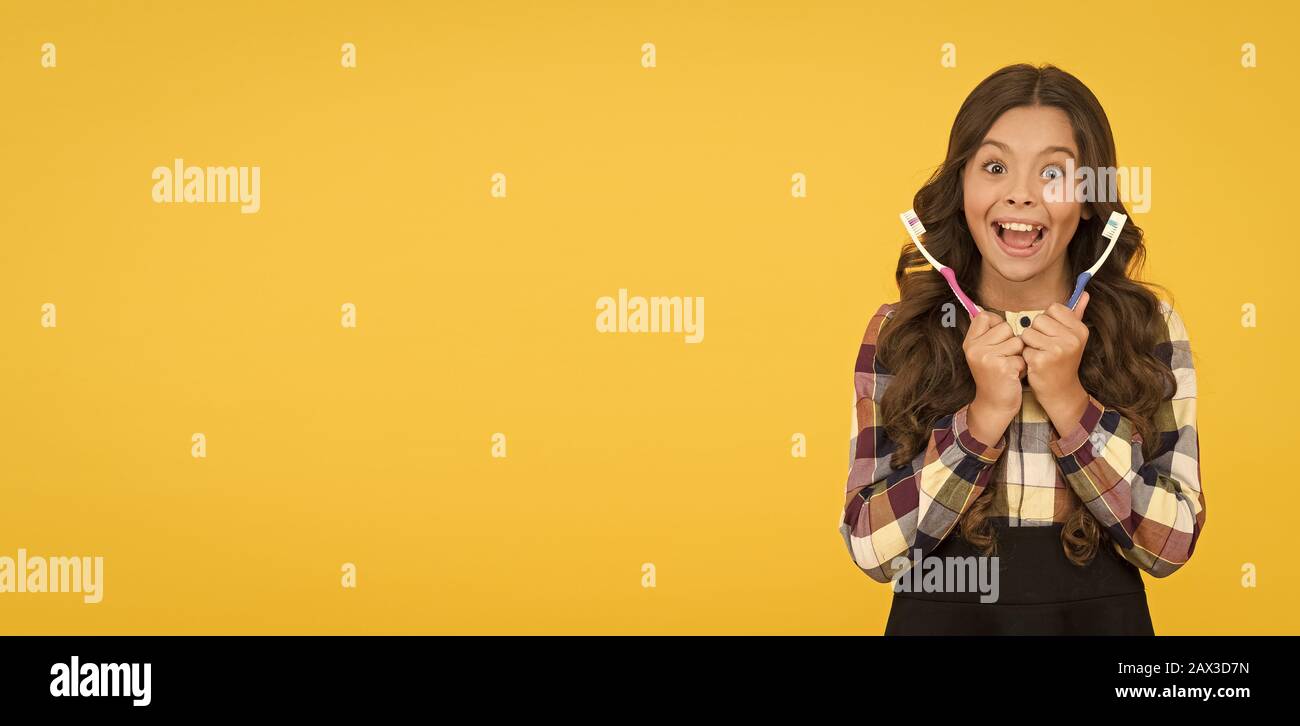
<point>1059,172</point>
<point>988,166</point>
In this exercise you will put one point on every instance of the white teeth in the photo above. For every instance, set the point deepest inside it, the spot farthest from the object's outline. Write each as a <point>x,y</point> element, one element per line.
<point>1021,227</point>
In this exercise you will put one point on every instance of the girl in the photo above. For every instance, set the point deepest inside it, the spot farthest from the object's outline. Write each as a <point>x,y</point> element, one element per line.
<point>1056,448</point>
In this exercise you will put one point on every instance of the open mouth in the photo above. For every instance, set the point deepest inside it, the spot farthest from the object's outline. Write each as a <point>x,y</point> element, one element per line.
<point>1019,239</point>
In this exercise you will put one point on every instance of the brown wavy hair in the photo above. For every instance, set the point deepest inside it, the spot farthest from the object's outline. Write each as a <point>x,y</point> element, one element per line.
<point>1119,364</point>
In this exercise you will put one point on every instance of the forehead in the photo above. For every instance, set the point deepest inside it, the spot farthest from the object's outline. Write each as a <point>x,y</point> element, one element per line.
<point>1029,129</point>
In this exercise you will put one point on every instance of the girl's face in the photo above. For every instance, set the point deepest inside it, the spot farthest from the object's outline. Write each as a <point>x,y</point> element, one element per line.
<point>1003,184</point>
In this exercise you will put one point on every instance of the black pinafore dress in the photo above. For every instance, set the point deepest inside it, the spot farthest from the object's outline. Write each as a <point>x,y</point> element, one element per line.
<point>1040,592</point>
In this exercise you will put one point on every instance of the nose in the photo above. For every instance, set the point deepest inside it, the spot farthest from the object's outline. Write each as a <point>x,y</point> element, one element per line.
<point>1020,197</point>
<point>1020,194</point>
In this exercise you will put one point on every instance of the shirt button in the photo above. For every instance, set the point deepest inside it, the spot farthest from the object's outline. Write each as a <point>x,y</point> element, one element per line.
<point>1024,321</point>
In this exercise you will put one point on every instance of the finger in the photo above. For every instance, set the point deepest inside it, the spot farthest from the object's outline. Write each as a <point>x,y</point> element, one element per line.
<point>1029,363</point>
<point>1060,313</point>
<point>1009,347</point>
<point>1022,367</point>
<point>1036,339</point>
<point>1070,321</point>
<point>980,324</point>
<point>1049,326</point>
<point>999,332</point>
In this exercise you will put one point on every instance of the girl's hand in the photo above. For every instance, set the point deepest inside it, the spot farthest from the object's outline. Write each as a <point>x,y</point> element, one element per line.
<point>1054,346</point>
<point>993,354</point>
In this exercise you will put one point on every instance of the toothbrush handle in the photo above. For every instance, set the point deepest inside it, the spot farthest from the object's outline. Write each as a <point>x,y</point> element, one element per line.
<point>971,308</point>
<point>1084,277</point>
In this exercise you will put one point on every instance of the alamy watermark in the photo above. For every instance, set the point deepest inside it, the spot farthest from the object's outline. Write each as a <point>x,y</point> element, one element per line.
<point>181,184</point>
<point>1107,184</point>
<point>656,314</point>
<point>39,574</point>
<point>130,680</point>
<point>972,573</point>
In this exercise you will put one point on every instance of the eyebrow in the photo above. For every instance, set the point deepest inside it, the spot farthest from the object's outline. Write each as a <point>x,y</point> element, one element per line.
<point>1007,149</point>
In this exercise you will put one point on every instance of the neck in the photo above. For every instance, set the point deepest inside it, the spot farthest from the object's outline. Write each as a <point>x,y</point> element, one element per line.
<point>1036,293</point>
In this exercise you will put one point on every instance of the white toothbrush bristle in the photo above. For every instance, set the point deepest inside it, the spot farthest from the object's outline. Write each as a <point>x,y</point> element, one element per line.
<point>913,222</point>
<point>1114,225</point>
<point>916,229</point>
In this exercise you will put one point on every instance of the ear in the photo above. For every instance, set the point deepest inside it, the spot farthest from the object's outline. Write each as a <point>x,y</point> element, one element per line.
<point>1087,211</point>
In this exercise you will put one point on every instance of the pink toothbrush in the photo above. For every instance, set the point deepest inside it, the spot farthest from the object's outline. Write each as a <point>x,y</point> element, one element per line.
<point>916,229</point>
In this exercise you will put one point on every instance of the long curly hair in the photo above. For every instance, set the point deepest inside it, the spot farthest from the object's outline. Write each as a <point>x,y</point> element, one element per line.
<point>1119,365</point>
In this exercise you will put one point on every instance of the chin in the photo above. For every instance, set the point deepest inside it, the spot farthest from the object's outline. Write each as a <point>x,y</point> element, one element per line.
<point>1017,273</point>
<point>1015,270</point>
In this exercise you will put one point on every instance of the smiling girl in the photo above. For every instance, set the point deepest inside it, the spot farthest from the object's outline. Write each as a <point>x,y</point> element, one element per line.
<point>1061,444</point>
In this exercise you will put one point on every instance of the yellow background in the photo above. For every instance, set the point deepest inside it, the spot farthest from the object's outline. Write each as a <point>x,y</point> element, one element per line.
<point>476,315</point>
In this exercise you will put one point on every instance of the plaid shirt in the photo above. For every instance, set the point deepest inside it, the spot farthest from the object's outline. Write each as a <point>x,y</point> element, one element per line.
<point>1153,510</point>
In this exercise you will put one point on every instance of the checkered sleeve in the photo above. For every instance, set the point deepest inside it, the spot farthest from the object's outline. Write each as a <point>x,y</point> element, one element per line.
<point>891,512</point>
<point>1154,510</point>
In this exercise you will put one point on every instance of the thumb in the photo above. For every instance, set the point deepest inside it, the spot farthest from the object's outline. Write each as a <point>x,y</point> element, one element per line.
<point>1082,305</point>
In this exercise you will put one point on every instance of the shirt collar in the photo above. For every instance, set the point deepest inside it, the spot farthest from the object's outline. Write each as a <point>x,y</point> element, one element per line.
<point>1019,319</point>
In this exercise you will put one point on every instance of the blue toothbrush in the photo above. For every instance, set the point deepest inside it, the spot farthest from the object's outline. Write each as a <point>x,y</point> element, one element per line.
<point>1114,226</point>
